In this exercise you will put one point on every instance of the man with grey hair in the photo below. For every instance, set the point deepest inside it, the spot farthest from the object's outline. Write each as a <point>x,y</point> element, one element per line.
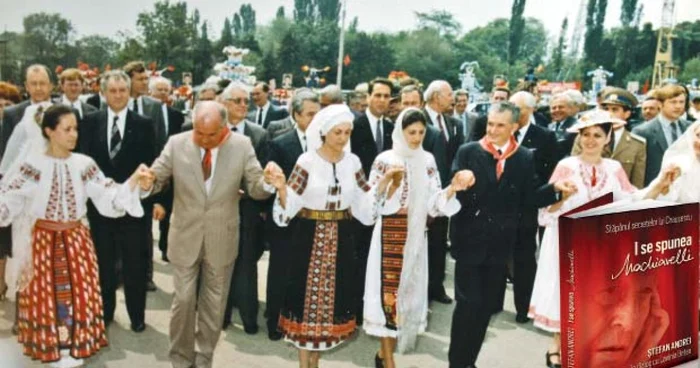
<point>357,102</point>
<point>486,228</point>
<point>286,147</point>
<point>563,110</point>
<point>244,285</point>
<point>303,107</point>
<point>438,108</point>
<point>119,140</point>
<point>330,95</point>
<point>204,234</point>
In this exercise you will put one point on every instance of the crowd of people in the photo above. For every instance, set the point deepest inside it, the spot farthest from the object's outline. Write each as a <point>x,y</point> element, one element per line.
<point>357,198</point>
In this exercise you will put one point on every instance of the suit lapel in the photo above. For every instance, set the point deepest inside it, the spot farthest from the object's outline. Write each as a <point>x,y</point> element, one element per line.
<point>102,133</point>
<point>489,165</point>
<point>223,162</point>
<point>622,145</point>
<point>195,157</point>
<point>660,136</point>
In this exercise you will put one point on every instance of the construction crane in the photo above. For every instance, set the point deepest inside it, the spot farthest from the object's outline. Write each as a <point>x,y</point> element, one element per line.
<point>664,69</point>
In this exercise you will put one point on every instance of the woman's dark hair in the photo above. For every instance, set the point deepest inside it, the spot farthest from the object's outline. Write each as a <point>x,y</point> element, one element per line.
<point>607,127</point>
<point>414,116</point>
<point>52,116</point>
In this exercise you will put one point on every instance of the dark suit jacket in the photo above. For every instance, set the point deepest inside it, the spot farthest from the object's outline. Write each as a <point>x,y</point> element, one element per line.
<point>273,113</point>
<point>543,145</point>
<point>565,140</point>
<point>456,134</point>
<point>11,117</point>
<point>153,109</point>
<point>87,108</point>
<point>95,101</point>
<point>250,208</point>
<point>279,127</point>
<point>175,121</point>
<point>479,129</point>
<point>433,143</point>
<point>285,150</point>
<point>656,145</point>
<point>138,144</point>
<point>362,141</point>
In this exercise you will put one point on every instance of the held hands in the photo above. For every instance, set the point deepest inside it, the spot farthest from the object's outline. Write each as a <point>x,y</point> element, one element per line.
<point>143,176</point>
<point>463,180</point>
<point>668,175</point>
<point>566,188</point>
<point>158,212</point>
<point>392,176</point>
<point>274,176</point>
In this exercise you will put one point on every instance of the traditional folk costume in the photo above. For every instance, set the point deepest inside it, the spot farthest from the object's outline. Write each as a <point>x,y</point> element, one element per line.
<point>591,181</point>
<point>396,286</point>
<point>318,310</point>
<point>60,309</point>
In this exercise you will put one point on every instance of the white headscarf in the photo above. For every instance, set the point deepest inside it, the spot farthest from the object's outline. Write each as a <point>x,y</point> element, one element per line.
<point>410,306</point>
<point>682,154</point>
<point>324,121</point>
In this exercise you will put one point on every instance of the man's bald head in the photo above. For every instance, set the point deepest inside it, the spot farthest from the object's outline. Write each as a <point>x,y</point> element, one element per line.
<point>208,121</point>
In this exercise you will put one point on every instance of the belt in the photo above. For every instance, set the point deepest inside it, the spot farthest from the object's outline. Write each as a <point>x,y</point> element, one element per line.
<point>57,226</point>
<point>325,215</point>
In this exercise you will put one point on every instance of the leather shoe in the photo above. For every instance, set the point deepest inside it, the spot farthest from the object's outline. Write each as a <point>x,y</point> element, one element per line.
<point>138,327</point>
<point>522,318</point>
<point>164,257</point>
<point>151,286</point>
<point>251,330</point>
<point>274,335</point>
<point>443,298</point>
<point>226,325</point>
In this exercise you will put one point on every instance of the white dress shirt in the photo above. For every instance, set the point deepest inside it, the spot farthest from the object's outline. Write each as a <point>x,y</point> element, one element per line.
<point>138,108</point>
<point>214,155</point>
<point>240,127</point>
<point>121,122</point>
<point>75,104</point>
<point>164,108</point>
<point>302,138</point>
<point>434,118</point>
<point>373,120</point>
<point>262,110</point>
<point>522,131</point>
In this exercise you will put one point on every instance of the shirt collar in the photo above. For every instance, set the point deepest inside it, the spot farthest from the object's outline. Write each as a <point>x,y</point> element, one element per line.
<point>504,147</point>
<point>432,113</point>
<point>68,102</point>
<point>240,126</point>
<point>266,106</point>
<point>663,120</point>
<point>371,117</point>
<point>121,114</point>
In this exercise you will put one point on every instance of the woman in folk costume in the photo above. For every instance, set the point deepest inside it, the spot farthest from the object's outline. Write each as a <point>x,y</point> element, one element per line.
<point>683,155</point>
<point>326,189</point>
<point>396,286</point>
<point>593,176</point>
<point>60,310</point>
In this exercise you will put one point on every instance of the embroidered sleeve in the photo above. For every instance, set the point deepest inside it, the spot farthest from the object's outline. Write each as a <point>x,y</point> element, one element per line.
<point>13,195</point>
<point>298,180</point>
<point>110,199</point>
<point>296,186</point>
<point>361,181</point>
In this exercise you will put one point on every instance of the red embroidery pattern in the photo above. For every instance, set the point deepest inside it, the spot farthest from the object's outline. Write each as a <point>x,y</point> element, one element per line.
<point>70,197</point>
<point>361,181</point>
<point>43,316</point>
<point>54,209</point>
<point>298,180</point>
<point>394,233</point>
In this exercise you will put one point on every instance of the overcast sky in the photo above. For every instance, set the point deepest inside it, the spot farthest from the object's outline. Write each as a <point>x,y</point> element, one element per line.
<point>109,17</point>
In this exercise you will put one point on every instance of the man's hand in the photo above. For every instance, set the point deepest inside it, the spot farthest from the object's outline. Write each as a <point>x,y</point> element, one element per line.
<point>274,175</point>
<point>566,188</point>
<point>158,212</point>
<point>463,180</point>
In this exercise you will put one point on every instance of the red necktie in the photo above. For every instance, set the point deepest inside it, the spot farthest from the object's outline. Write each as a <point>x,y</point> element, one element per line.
<point>206,164</point>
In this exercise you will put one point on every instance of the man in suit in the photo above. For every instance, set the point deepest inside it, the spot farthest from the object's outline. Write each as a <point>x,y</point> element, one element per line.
<point>663,130</point>
<point>650,108</point>
<point>498,95</point>
<point>303,105</point>
<point>71,82</point>
<point>284,150</point>
<point>627,148</point>
<point>411,96</point>
<point>119,141</point>
<point>371,135</point>
<point>207,167</point>
<point>466,119</point>
<point>244,285</point>
<point>357,102</point>
<point>563,111</point>
<point>264,112</point>
<point>330,95</point>
<point>151,108</point>
<point>485,230</point>
<point>38,85</point>
<point>541,142</point>
<point>438,104</point>
<point>173,119</point>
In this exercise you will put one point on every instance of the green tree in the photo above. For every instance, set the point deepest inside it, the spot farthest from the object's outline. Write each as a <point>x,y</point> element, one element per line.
<point>595,19</point>
<point>426,55</point>
<point>226,37</point>
<point>442,21</point>
<point>559,50</point>
<point>131,48</point>
<point>203,55</point>
<point>97,50</point>
<point>516,26</point>
<point>370,55</point>
<point>247,19</point>
<point>304,11</point>
<point>46,38</point>
<point>280,12</point>
<point>168,34</point>
<point>10,62</point>
<point>328,10</point>
<point>628,13</point>
<point>691,70</point>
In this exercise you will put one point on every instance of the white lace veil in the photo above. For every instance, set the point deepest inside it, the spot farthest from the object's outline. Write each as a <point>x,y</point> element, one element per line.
<point>682,153</point>
<point>413,286</point>
<point>26,140</point>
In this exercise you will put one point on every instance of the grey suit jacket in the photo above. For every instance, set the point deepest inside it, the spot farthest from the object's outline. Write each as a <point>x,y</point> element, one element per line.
<point>11,117</point>
<point>279,127</point>
<point>153,109</point>
<point>656,145</point>
<point>200,220</point>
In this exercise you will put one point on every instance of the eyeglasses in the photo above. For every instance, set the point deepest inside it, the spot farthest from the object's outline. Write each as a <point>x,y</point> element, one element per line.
<point>239,100</point>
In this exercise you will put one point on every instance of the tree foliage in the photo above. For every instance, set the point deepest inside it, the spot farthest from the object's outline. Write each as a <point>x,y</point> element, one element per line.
<point>516,26</point>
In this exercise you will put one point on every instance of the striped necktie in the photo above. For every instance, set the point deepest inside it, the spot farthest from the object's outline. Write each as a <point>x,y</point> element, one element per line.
<point>115,142</point>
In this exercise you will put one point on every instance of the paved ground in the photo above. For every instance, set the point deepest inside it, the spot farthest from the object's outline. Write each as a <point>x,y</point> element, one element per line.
<point>508,345</point>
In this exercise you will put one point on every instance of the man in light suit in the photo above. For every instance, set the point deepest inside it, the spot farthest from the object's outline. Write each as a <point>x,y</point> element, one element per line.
<point>663,130</point>
<point>71,82</point>
<point>629,149</point>
<point>466,119</point>
<point>264,112</point>
<point>207,167</point>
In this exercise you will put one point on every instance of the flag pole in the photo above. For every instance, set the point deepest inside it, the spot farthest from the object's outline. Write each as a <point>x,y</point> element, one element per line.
<point>341,46</point>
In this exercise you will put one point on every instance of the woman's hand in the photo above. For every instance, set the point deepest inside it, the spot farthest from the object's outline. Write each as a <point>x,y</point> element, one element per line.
<point>143,176</point>
<point>392,176</point>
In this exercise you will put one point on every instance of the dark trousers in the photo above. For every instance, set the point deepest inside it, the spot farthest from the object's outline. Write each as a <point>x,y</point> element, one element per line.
<point>523,268</point>
<point>125,235</point>
<point>279,241</point>
<point>437,252</point>
<point>363,241</point>
<point>476,288</point>
<point>243,291</point>
<point>164,227</point>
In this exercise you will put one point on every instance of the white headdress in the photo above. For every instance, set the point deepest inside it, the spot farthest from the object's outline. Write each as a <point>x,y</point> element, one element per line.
<point>324,121</point>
